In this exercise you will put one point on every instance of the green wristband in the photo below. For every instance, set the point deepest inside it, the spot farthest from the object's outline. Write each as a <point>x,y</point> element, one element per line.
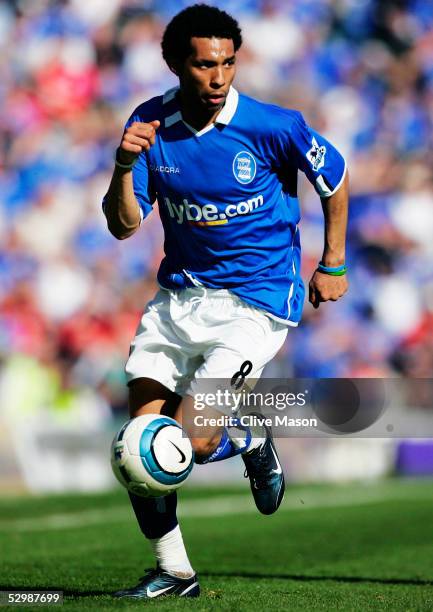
<point>342,273</point>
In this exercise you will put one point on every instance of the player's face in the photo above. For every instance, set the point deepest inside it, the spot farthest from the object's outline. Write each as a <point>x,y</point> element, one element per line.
<point>206,75</point>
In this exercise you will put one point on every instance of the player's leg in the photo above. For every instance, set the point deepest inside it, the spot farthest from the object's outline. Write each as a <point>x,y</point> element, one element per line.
<point>156,363</point>
<point>247,335</point>
<point>157,516</point>
<point>214,442</point>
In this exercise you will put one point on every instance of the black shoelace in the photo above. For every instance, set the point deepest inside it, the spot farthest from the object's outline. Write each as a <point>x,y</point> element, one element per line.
<point>258,470</point>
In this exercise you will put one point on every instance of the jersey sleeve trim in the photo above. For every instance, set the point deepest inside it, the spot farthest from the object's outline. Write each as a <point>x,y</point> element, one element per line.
<point>324,190</point>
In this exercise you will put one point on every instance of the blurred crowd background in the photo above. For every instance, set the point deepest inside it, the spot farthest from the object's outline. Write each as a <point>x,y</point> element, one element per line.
<point>71,295</point>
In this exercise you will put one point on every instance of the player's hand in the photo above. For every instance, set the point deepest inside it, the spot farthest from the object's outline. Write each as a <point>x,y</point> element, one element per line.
<point>138,137</point>
<point>324,287</point>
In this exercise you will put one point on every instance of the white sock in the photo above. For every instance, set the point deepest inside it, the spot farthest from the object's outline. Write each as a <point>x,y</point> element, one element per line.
<point>238,437</point>
<point>171,554</point>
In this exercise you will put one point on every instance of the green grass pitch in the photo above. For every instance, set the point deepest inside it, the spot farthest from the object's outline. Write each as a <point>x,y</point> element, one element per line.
<point>348,547</point>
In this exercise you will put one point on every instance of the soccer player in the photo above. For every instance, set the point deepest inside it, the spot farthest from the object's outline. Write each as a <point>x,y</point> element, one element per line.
<point>223,169</point>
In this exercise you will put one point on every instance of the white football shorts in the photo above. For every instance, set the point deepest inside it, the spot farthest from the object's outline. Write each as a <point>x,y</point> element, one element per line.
<point>197,333</point>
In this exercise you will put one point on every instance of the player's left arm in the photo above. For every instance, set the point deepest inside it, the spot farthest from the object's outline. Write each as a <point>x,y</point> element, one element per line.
<point>325,168</point>
<point>324,287</point>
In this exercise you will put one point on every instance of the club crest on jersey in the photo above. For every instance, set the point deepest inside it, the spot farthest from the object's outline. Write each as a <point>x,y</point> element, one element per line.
<point>316,155</point>
<point>244,167</point>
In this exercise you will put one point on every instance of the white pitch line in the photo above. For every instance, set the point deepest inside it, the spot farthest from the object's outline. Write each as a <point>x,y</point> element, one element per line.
<point>214,506</point>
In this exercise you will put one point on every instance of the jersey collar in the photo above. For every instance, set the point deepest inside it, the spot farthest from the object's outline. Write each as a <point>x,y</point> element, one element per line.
<point>224,116</point>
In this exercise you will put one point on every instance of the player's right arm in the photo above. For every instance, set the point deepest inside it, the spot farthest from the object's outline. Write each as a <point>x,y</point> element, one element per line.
<point>121,207</point>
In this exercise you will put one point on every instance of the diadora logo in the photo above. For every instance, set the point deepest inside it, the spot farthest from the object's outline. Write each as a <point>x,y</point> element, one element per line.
<point>210,214</point>
<point>244,167</point>
<point>167,169</point>
<point>316,155</point>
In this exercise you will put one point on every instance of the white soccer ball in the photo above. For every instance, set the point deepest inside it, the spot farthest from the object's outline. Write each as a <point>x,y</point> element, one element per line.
<point>151,455</point>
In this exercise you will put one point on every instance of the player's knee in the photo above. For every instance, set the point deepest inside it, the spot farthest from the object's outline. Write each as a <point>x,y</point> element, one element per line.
<point>147,396</point>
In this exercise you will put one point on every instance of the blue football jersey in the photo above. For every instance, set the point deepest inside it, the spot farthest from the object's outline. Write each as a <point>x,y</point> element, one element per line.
<point>227,197</point>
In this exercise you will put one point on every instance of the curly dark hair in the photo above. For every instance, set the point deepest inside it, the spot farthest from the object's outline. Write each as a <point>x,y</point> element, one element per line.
<point>199,20</point>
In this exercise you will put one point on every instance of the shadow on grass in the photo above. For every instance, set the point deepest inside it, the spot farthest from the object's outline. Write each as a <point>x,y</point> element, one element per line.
<point>308,578</point>
<point>251,576</point>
